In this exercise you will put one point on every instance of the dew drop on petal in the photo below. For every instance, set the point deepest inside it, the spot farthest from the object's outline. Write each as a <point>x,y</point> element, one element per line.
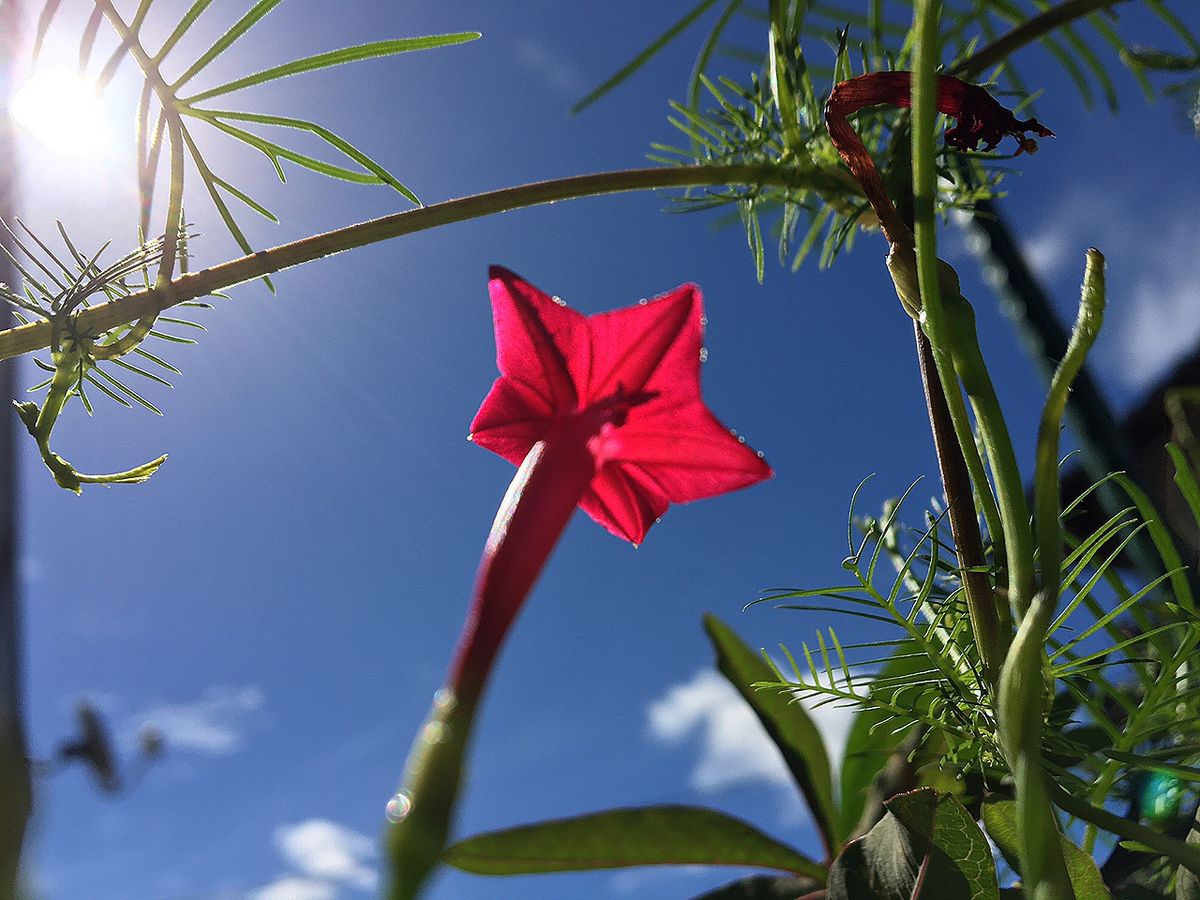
<point>703,354</point>
<point>741,440</point>
<point>398,808</point>
<point>703,321</point>
<point>435,733</point>
<point>559,300</point>
<point>643,302</point>
<point>444,699</point>
<point>470,437</point>
<point>759,454</point>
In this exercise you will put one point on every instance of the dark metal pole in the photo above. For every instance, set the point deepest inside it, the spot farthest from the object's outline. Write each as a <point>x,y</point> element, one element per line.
<point>15,790</point>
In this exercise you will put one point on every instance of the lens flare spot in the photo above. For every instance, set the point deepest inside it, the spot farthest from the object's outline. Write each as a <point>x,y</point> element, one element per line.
<point>398,808</point>
<point>62,112</point>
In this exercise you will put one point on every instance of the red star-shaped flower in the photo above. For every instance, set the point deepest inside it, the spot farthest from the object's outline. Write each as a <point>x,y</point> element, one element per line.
<point>601,412</point>
<point>631,379</point>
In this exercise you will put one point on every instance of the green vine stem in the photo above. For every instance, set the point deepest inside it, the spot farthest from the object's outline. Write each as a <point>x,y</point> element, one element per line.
<point>1043,867</point>
<point>991,638</point>
<point>962,339</point>
<point>1047,503</point>
<point>174,217</point>
<point>960,465</point>
<point>1023,683</point>
<point>105,316</point>
<point>983,488</point>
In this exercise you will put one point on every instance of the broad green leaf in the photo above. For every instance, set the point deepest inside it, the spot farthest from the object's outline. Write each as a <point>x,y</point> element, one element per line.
<point>1000,819</point>
<point>927,847</point>
<point>868,746</point>
<point>763,887</point>
<point>786,723</point>
<point>336,58</point>
<point>647,836</point>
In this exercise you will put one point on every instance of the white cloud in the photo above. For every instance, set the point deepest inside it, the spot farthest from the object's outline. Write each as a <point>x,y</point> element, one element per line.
<point>289,887</point>
<point>1048,252</point>
<point>1153,276</point>
<point>214,725</point>
<point>325,850</point>
<point>663,879</point>
<point>553,69</point>
<point>1159,316</point>
<point>734,747</point>
<point>30,569</point>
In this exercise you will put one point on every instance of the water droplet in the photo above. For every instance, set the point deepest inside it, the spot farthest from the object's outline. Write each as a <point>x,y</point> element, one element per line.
<point>703,354</point>
<point>444,699</point>
<point>643,302</point>
<point>559,300</point>
<point>741,440</point>
<point>703,321</point>
<point>398,807</point>
<point>759,454</point>
<point>470,437</point>
<point>435,733</point>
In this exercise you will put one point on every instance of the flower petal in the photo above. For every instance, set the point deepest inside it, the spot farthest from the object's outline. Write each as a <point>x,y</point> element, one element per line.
<point>512,418</point>
<point>653,346</point>
<point>684,451</point>
<point>623,502</point>
<point>535,336</point>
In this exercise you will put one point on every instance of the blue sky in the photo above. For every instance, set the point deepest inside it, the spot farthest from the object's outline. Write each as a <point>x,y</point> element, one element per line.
<point>282,598</point>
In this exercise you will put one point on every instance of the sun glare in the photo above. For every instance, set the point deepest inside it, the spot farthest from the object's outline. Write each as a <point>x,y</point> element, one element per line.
<point>62,112</point>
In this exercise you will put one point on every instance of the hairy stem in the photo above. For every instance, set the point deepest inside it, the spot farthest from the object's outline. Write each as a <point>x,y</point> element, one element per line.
<point>950,448</point>
<point>36,335</point>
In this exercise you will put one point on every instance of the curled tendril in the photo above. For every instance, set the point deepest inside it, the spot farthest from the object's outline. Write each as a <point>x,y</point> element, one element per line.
<point>72,358</point>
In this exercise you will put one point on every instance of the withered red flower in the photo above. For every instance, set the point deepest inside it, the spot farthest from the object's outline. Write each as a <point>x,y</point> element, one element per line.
<point>631,380</point>
<point>980,120</point>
